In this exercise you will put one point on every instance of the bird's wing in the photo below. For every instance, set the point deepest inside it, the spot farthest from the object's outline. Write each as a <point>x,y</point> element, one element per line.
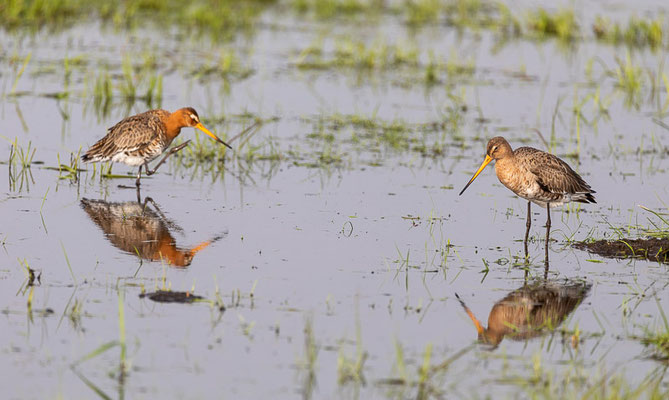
<point>553,174</point>
<point>135,132</point>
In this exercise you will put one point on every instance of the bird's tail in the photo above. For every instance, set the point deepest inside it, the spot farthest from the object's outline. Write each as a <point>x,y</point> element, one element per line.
<point>584,197</point>
<point>88,157</point>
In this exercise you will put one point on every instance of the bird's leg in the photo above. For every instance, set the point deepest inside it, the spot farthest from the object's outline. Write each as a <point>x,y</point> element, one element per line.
<point>548,227</point>
<point>139,176</point>
<point>169,153</point>
<point>528,224</point>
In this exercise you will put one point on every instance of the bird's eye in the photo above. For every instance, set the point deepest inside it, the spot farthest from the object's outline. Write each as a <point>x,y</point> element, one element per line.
<point>193,117</point>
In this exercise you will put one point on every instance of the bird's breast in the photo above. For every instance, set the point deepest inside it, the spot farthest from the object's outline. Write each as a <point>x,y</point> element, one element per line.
<point>519,180</point>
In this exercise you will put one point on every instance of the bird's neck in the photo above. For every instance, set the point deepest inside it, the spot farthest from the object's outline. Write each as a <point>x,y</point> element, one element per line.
<point>173,126</point>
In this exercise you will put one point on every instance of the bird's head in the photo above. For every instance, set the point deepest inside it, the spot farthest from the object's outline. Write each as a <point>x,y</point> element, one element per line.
<point>497,148</point>
<point>189,118</point>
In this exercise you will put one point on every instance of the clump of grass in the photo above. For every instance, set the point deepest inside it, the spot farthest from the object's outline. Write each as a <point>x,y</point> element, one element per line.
<point>629,76</point>
<point>658,228</point>
<point>428,380</point>
<point>227,66</point>
<point>352,53</point>
<point>419,12</point>
<point>17,13</point>
<point>351,368</point>
<point>638,32</point>
<point>19,163</point>
<point>19,73</point>
<point>308,363</point>
<point>75,313</point>
<point>136,77</point>
<point>141,82</point>
<point>69,171</point>
<point>432,70</point>
<point>658,339</point>
<point>102,92</point>
<point>220,18</point>
<point>561,24</point>
<point>330,8</point>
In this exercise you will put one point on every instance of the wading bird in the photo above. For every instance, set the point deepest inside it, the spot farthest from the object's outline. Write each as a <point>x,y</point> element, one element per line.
<point>141,138</point>
<point>536,176</point>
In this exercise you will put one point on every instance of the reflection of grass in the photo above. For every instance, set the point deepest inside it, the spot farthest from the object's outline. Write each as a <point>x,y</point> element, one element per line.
<point>428,381</point>
<point>580,381</point>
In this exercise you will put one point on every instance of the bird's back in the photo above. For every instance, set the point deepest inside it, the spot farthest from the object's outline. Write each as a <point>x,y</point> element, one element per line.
<point>132,136</point>
<point>544,178</point>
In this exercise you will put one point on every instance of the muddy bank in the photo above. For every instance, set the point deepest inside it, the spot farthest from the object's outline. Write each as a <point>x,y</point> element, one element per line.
<point>167,296</point>
<point>651,249</point>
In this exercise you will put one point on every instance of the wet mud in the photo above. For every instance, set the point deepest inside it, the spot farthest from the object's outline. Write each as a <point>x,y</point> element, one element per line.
<point>167,296</point>
<point>654,249</point>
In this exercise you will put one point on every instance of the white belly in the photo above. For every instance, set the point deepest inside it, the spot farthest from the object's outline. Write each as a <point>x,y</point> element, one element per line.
<point>130,160</point>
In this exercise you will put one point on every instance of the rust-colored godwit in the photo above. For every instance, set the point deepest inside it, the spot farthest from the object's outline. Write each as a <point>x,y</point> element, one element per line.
<point>536,176</point>
<point>141,138</point>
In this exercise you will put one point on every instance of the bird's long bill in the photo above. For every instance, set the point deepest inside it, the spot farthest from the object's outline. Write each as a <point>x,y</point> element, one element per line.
<point>205,130</point>
<point>483,165</point>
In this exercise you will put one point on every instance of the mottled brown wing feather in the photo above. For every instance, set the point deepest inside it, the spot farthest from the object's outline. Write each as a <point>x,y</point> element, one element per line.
<point>553,174</point>
<point>132,134</point>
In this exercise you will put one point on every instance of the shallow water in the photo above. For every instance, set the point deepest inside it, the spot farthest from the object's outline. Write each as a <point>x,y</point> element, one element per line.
<point>367,252</point>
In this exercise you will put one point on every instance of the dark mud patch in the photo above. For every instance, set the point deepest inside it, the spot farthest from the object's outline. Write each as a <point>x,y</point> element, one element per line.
<point>651,249</point>
<point>167,296</point>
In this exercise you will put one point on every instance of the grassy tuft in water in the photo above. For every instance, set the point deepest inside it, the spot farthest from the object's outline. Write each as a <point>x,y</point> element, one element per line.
<point>561,24</point>
<point>219,18</point>
<point>637,32</point>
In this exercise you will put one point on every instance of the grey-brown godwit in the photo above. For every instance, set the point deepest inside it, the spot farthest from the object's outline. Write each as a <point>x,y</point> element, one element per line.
<point>536,176</point>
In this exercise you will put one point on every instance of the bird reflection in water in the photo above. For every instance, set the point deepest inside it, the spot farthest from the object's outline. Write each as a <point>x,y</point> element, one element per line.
<point>134,227</point>
<point>530,311</point>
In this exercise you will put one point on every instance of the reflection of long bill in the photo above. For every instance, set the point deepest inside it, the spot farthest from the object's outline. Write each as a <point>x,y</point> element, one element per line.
<point>477,324</point>
<point>199,247</point>
<point>483,165</point>
<point>205,130</point>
